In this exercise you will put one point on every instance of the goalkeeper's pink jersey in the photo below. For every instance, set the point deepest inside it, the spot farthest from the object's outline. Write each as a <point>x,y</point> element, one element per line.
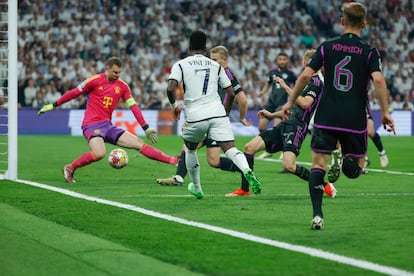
<point>102,97</point>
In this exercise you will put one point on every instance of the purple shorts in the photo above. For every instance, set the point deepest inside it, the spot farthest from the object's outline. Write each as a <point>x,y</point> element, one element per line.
<point>106,130</point>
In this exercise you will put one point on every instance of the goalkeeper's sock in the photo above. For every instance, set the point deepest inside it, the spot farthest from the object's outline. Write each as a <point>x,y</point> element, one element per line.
<point>155,154</point>
<point>84,160</point>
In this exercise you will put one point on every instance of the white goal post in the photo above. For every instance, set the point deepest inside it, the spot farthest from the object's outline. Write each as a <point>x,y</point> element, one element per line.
<point>9,57</point>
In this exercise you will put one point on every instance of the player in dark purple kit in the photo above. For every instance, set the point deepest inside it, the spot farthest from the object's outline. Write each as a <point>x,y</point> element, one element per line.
<point>288,136</point>
<point>349,65</point>
<point>278,96</point>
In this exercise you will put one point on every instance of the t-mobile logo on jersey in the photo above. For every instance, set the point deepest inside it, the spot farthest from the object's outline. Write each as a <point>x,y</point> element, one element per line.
<point>107,101</point>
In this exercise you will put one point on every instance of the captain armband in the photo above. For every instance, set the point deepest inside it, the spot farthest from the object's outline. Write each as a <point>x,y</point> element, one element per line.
<point>130,102</point>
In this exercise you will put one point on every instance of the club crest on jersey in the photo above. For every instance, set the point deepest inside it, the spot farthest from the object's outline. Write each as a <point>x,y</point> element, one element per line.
<point>284,76</point>
<point>117,90</point>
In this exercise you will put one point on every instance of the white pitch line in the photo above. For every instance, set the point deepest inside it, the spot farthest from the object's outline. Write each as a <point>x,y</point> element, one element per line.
<point>241,235</point>
<point>370,170</point>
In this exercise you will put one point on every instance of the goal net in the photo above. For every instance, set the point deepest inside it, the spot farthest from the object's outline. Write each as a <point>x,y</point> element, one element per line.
<point>8,89</point>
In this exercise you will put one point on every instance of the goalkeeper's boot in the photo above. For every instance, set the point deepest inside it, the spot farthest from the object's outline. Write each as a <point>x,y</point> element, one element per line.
<point>335,169</point>
<point>317,223</point>
<point>68,172</point>
<point>253,181</point>
<point>175,180</point>
<point>330,189</point>
<point>383,159</point>
<point>191,189</point>
<point>265,155</point>
<point>238,192</point>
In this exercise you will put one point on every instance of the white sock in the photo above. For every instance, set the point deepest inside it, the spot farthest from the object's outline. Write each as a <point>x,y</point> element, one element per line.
<point>193,168</point>
<point>238,158</point>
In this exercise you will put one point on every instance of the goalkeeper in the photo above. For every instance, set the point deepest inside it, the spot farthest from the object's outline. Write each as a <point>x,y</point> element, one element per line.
<point>103,92</point>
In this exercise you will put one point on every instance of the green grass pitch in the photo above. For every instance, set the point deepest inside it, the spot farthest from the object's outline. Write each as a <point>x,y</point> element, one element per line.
<point>43,232</point>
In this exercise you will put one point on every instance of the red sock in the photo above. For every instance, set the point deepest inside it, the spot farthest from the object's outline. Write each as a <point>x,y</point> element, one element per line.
<point>155,154</point>
<point>84,160</point>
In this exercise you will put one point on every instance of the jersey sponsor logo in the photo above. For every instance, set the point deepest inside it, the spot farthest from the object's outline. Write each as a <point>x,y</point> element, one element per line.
<point>117,90</point>
<point>96,131</point>
<point>289,142</point>
<point>107,101</point>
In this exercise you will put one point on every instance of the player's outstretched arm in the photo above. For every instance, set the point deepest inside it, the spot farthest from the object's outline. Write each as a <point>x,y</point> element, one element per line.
<point>171,91</point>
<point>265,113</point>
<point>382,94</point>
<point>149,132</point>
<point>284,85</point>
<point>67,96</point>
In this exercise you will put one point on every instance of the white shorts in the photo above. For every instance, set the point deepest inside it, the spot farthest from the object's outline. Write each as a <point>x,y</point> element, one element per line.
<point>217,129</point>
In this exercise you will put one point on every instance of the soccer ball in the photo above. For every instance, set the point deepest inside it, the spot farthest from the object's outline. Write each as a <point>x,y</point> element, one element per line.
<point>118,158</point>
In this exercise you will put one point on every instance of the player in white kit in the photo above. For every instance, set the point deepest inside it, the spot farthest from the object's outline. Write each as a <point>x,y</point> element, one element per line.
<point>205,114</point>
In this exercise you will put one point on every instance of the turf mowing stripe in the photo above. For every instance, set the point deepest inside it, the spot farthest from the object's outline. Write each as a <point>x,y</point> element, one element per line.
<point>370,170</point>
<point>292,247</point>
<point>268,196</point>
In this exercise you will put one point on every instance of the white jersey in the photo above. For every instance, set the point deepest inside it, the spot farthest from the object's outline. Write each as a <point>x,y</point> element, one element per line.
<point>201,78</point>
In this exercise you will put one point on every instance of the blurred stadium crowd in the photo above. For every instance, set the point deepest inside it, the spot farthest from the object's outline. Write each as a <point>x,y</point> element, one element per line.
<point>61,43</point>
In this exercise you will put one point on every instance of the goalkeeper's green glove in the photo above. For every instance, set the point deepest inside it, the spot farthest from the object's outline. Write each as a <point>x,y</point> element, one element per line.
<point>151,135</point>
<point>45,108</point>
